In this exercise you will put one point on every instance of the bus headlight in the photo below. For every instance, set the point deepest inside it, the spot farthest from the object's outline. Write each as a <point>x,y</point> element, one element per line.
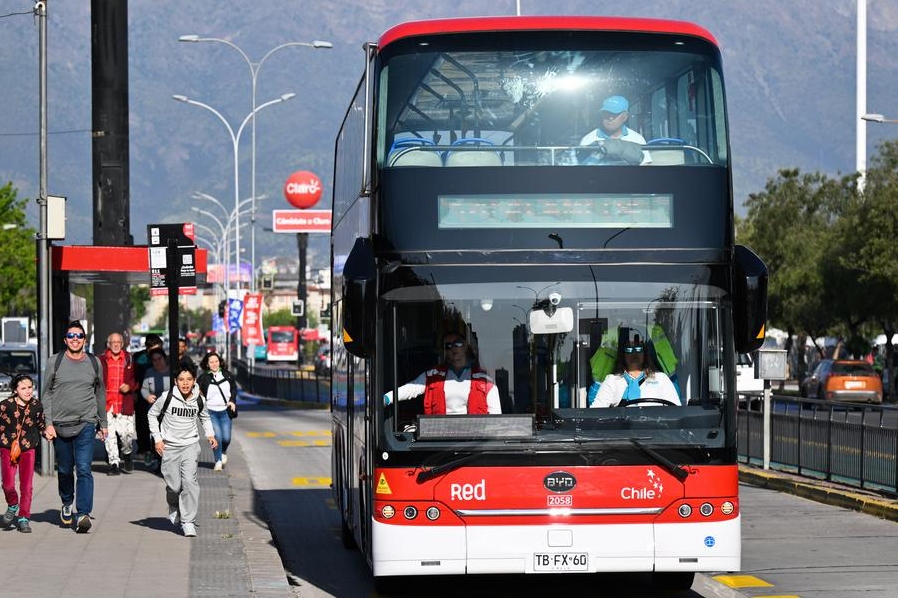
<point>684,510</point>
<point>727,507</point>
<point>706,509</point>
<point>432,513</point>
<point>387,511</point>
<point>410,512</point>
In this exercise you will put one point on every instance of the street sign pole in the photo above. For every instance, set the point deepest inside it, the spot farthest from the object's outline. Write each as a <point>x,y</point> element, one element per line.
<point>172,274</point>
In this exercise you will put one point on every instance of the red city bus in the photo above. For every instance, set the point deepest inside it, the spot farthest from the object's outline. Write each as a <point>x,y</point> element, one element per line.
<point>283,344</point>
<point>475,195</point>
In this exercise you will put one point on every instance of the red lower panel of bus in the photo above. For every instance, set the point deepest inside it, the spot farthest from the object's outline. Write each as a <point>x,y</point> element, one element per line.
<point>475,496</point>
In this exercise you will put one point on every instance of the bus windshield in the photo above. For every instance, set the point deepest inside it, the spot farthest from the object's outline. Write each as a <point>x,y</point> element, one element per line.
<point>548,341</point>
<point>543,103</point>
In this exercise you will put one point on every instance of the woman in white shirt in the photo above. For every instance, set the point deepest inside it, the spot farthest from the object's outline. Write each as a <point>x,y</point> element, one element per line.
<point>219,388</point>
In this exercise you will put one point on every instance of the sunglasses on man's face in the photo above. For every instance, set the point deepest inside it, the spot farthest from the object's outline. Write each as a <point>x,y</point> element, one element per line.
<point>633,349</point>
<point>74,335</point>
<point>451,344</point>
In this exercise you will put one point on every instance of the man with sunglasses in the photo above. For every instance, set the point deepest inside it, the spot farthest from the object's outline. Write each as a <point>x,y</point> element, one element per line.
<point>74,398</point>
<point>457,386</point>
<point>634,378</point>
<point>616,143</point>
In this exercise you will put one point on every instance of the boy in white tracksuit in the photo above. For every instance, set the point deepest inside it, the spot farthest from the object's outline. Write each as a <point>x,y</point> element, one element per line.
<point>176,440</point>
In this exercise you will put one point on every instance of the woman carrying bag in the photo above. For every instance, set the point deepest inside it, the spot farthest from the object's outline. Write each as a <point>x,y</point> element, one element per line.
<point>219,388</point>
<point>21,425</point>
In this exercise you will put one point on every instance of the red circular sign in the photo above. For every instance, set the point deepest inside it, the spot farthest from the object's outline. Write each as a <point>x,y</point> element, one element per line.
<point>303,189</point>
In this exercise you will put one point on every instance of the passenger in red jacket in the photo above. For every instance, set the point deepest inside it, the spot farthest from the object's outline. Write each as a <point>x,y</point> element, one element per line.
<point>457,386</point>
<point>121,387</point>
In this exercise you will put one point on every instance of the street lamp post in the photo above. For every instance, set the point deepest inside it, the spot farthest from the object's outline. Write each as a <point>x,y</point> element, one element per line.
<point>877,118</point>
<point>254,76</point>
<point>235,141</point>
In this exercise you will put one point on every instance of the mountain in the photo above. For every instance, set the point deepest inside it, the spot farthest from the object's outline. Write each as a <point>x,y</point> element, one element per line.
<point>789,68</point>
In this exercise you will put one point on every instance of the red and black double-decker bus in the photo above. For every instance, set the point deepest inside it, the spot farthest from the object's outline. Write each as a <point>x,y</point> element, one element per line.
<point>478,192</point>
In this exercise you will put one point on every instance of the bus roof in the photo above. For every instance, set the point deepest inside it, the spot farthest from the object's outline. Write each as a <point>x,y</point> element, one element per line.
<point>565,23</point>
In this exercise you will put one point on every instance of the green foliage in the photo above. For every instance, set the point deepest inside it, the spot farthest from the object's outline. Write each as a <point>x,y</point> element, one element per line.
<point>18,257</point>
<point>281,318</point>
<point>140,295</point>
<point>830,250</point>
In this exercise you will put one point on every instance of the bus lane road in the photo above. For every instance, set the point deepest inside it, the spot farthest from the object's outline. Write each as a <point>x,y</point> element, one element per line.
<point>792,546</point>
<point>288,452</point>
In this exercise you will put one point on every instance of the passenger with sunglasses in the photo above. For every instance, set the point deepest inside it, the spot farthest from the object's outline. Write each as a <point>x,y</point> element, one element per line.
<point>635,378</point>
<point>74,398</point>
<point>456,386</point>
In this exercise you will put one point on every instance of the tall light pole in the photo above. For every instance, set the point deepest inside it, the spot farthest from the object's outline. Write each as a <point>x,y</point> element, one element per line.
<point>235,141</point>
<point>254,76</point>
<point>861,94</point>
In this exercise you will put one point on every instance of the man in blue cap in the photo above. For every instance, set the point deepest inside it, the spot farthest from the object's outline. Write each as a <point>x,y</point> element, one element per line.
<point>611,131</point>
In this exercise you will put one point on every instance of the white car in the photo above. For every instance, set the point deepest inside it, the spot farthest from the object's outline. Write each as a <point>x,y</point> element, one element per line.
<point>747,381</point>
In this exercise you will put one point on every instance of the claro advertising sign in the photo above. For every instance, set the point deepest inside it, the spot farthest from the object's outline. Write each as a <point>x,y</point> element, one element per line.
<point>301,221</point>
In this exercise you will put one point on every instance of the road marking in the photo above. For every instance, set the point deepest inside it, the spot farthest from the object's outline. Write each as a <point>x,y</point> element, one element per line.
<point>291,443</point>
<point>312,481</point>
<point>739,581</point>
<point>312,433</point>
<point>265,434</point>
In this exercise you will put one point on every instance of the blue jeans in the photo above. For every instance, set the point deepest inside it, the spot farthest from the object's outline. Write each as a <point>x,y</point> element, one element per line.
<point>221,424</point>
<point>73,458</point>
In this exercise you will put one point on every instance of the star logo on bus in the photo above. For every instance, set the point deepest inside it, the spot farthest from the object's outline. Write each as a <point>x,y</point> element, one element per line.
<point>655,482</point>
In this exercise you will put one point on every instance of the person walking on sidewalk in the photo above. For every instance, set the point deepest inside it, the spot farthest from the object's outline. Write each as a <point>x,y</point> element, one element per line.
<point>74,399</point>
<point>156,383</point>
<point>142,364</point>
<point>219,388</point>
<point>174,431</point>
<point>21,425</point>
<point>121,387</point>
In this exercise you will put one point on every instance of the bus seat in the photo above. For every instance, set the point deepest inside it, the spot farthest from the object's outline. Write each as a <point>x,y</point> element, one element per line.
<point>662,156</point>
<point>473,157</point>
<point>400,153</point>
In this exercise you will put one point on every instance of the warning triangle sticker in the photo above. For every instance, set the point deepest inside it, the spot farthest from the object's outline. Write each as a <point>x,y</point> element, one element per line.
<point>383,488</point>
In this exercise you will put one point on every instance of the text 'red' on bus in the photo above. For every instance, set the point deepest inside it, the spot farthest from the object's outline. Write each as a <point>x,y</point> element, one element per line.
<point>474,195</point>
<point>283,344</point>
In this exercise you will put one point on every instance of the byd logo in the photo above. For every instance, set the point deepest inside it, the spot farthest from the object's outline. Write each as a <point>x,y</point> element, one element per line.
<point>468,491</point>
<point>560,481</point>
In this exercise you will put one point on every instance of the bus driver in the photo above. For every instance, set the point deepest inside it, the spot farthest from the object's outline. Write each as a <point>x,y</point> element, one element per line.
<point>617,143</point>
<point>458,386</point>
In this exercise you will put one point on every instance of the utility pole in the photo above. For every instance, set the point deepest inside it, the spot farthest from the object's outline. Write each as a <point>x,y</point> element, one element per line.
<point>43,242</point>
<point>111,172</point>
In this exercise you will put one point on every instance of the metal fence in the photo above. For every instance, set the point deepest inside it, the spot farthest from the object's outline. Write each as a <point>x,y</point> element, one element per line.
<point>845,443</point>
<point>283,383</point>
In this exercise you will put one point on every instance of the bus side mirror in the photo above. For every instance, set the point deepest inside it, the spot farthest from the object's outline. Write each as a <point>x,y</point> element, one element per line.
<point>749,301</point>
<point>359,277</point>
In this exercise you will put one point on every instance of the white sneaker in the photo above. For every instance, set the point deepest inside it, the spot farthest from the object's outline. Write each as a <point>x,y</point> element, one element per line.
<point>189,529</point>
<point>173,515</point>
<point>224,459</point>
<point>217,465</point>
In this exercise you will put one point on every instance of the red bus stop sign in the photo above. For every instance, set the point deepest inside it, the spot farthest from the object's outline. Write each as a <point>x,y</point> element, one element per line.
<point>303,189</point>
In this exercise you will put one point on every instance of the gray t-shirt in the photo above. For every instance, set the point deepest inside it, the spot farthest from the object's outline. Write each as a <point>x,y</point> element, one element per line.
<point>76,395</point>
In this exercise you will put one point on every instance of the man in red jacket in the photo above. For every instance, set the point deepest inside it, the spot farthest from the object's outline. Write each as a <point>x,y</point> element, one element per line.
<point>121,385</point>
<point>458,386</point>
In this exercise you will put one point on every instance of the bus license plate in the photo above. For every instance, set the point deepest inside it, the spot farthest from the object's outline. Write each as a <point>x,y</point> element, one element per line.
<point>560,562</point>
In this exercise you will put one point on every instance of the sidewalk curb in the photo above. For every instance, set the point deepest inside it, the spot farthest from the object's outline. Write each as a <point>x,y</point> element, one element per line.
<point>820,492</point>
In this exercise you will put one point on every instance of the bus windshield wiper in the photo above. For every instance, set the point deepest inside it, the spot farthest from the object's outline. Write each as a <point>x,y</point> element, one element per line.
<point>426,475</point>
<point>677,471</point>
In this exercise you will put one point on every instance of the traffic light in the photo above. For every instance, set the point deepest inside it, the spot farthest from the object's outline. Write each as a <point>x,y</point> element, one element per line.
<point>221,308</point>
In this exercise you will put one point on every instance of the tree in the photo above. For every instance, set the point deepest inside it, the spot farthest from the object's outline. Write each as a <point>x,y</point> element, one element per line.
<point>18,257</point>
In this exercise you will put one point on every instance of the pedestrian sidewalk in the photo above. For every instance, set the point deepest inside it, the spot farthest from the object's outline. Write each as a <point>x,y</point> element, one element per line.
<point>132,550</point>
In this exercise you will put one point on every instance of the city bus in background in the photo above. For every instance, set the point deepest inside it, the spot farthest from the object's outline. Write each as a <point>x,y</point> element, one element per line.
<point>466,201</point>
<point>283,344</point>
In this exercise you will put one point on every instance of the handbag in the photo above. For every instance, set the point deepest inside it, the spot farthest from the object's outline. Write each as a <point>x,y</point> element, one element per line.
<point>232,412</point>
<point>15,450</point>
